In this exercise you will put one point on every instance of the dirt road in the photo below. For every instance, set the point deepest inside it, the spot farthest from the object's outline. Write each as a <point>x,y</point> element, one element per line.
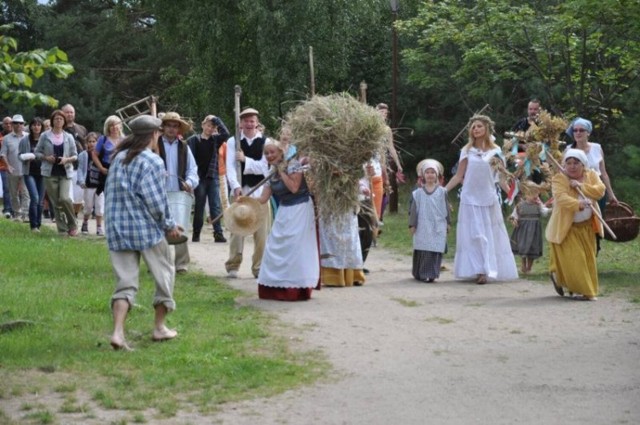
<point>449,353</point>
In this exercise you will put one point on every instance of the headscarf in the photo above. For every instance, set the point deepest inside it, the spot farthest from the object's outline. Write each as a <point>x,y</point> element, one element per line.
<point>577,154</point>
<point>582,122</point>
<point>430,163</point>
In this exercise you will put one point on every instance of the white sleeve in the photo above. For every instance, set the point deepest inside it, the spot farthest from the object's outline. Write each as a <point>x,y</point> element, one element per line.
<point>232,178</point>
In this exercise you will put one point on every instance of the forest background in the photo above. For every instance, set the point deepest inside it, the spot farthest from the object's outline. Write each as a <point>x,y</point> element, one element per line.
<point>579,57</point>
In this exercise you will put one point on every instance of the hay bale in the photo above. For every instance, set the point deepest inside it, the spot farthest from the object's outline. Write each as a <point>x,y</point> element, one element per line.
<point>339,134</point>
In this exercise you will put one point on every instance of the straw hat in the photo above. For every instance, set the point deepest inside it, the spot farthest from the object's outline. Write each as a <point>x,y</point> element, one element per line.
<point>244,216</point>
<point>248,111</point>
<point>185,127</point>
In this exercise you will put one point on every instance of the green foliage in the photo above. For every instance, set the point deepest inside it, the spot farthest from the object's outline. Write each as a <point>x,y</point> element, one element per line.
<point>18,70</point>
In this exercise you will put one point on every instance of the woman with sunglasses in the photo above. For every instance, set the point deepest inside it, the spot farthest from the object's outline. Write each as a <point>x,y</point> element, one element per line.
<point>580,130</point>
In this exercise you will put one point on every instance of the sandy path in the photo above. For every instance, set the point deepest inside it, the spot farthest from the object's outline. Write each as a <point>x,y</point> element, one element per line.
<point>449,353</point>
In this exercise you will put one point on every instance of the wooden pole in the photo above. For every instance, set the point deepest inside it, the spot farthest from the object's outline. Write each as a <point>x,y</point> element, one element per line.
<point>312,83</point>
<point>238,92</point>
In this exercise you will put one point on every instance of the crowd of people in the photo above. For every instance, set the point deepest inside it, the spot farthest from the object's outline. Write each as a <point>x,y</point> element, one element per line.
<point>125,183</point>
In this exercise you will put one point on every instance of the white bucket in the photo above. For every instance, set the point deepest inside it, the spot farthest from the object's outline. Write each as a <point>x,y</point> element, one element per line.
<point>180,206</point>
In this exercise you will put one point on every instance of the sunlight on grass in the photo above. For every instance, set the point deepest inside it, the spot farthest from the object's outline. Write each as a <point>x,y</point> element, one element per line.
<point>224,352</point>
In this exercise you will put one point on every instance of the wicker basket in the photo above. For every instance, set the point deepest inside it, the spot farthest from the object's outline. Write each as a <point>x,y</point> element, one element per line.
<point>623,221</point>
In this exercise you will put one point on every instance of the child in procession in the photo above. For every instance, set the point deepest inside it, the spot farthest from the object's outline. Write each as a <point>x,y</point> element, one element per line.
<point>429,223</point>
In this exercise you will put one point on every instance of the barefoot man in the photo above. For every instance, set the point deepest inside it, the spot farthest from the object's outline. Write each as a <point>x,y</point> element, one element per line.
<point>138,219</point>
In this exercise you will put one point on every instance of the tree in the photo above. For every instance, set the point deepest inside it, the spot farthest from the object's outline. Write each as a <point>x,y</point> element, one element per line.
<point>18,70</point>
<point>579,56</point>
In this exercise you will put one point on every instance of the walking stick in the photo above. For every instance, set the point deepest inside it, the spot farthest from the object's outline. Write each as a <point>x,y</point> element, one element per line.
<point>593,209</point>
<point>238,92</point>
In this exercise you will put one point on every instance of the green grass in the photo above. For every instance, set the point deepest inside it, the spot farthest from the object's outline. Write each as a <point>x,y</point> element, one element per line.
<point>618,263</point>
<point>224,351</point>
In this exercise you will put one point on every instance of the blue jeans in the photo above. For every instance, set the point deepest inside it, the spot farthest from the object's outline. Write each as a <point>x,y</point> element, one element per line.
<point>6,196</point>
<point>35,186</point>
<point>208,189</point>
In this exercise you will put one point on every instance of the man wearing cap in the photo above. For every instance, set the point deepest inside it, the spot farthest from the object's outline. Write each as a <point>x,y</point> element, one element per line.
<point>182,171</point>
<point>10,152</point>
<point>138,221</point>
<point>253,169</point>
<point>204,148</point>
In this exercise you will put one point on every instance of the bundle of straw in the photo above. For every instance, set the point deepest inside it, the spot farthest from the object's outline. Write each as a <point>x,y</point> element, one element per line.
<point>339,135</point>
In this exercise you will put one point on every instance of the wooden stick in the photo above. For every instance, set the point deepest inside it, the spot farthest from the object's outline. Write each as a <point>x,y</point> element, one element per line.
<point>238,92</point>
<point>312,73</point>
<point>253,189</point>
<point>595,212</point>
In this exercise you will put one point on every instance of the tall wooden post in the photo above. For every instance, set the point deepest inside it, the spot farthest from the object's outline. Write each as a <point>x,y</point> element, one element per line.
<point>312,83</point>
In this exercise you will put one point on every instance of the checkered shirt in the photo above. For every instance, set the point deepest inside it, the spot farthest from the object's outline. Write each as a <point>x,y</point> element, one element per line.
<point>136,208</point>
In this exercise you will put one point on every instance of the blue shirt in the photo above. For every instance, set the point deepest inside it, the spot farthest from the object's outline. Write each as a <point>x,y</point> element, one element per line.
<point>136,208</point>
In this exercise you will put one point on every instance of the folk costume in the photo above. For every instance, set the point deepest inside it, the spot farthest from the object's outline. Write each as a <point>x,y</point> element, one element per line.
<point>429,215</point>
<point>290,268</point>
<point>253,170</point>
<point>570,231</point>
<point>340,252</point>
<point>482,242</point>
<point>526,238</point>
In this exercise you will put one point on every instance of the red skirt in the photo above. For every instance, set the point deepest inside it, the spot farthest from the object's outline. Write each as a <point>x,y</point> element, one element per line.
<point>284,294</point>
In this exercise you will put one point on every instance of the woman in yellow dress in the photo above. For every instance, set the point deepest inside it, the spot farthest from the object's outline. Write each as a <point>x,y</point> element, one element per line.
<point>571,228</point>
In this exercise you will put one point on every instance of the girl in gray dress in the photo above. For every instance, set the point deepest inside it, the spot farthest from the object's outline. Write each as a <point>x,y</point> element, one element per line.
<point>429,222</point>
<point>526,238</point>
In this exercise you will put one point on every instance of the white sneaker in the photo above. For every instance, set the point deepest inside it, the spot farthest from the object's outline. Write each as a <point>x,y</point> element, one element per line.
<point>232,274</point>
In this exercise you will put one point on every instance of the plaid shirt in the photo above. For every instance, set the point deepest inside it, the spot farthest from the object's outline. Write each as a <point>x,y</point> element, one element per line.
<point>136,208</point>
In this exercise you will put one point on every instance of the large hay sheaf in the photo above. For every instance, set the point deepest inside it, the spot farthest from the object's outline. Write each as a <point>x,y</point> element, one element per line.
<point>339,135</point>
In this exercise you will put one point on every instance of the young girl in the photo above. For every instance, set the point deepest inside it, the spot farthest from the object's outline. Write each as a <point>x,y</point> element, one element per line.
<point>526,239</point>
<point>91,200</point>
<point>429,222</point>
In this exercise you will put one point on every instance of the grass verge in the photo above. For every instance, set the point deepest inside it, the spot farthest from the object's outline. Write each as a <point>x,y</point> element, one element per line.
<point>60,289</point>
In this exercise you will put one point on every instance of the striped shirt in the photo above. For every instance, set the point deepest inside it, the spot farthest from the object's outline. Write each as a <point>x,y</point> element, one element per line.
<point>136,208</point>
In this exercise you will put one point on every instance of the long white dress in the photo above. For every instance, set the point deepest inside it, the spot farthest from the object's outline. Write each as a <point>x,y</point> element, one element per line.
<point>482,242</point>
<point>290,257</point>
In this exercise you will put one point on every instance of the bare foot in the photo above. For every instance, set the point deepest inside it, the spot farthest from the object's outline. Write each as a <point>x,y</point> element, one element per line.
<point>482,279</point>
<point>118,343</point>
<point>164,334</point>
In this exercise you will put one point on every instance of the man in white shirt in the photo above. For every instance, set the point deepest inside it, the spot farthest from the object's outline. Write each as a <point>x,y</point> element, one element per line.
<point>182,171</point>
<point>9,152</point>
<point>253,169</point>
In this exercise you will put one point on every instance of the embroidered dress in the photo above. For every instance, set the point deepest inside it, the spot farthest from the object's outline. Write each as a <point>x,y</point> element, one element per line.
<point>429,215</point>
<point>482,242</point>
<point>290,267</point>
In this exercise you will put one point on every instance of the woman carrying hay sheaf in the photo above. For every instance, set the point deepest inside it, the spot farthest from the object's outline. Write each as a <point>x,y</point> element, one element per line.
<point>483,250</point>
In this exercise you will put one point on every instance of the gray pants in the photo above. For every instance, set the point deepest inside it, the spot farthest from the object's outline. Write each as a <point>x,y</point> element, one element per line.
<point>126,268</point>
<point>19,200</point>
<point>58,190</point>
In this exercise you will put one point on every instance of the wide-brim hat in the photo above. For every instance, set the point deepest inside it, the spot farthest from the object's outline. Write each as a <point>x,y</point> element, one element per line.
<point>249,111</point>
<point>185,127</point>
<point>244,217</point>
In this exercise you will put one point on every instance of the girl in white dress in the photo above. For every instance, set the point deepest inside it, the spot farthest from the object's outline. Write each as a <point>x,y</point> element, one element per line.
<point>483,250</point>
